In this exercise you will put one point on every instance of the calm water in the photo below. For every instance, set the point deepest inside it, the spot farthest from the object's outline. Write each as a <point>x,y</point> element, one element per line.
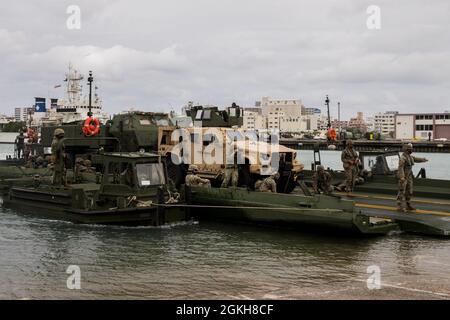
<point>205,260</point>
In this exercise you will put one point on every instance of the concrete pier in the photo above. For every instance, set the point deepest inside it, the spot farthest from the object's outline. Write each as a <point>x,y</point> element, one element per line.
<point>367,145</point>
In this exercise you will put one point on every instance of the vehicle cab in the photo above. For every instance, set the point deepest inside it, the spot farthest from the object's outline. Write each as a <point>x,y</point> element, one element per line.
<point>126,175</point>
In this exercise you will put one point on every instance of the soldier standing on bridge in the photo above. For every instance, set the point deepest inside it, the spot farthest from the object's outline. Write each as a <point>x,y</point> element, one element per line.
<point>20,144</point>
<point>58,155</point>
<point>350,159</point>
<point>231,174</point>
<point>406,177</point>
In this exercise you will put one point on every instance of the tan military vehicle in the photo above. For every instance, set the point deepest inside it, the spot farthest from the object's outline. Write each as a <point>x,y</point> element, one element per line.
<point>255,159</point>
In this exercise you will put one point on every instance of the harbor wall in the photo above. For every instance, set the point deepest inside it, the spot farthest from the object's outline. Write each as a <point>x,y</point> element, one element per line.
<point>368,145</point>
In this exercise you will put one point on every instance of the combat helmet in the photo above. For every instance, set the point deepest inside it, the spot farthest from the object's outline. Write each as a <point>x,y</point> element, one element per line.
<point>58,132</point>
<point>407,146</point>
<point>276,175</point>
<point>193,168</point>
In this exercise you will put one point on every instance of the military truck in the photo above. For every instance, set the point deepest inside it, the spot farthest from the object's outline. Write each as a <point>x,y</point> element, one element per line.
<point>131,189</point>
<point>128,131</point>
<point>148,131</point>
<point>213,117</point>
<point>125,132</point>
<point>227,123</point>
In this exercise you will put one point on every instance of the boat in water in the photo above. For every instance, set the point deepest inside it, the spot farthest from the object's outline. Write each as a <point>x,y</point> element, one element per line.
<point>131,190</point>
<point>318,212</point>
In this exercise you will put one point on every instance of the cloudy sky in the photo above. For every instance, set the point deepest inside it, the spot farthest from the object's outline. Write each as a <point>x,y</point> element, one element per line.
<point>156,55</point>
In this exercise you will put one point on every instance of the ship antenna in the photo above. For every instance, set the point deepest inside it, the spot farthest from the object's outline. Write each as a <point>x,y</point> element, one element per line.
<point>90,79</point>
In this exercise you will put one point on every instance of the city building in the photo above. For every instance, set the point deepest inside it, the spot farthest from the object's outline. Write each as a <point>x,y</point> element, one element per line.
<point>253,119</point>
<point>23,113</point>
<point>292,124</point>
<point>336,124</point>
<point>358,123</point>
<point>298,124</point>
<point>370,123</point>
<point>290,107</point>
<point>311,111</point>
<point>274,119</point>
<point>286,115</point>
<point>384,122</point>
<point>422,126</point>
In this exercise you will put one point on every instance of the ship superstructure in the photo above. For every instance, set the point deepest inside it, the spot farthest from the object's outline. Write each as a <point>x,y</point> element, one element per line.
<point>75,106</point>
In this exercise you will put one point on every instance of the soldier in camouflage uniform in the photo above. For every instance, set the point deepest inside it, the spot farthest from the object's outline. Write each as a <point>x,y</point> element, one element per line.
<point>405,178</point>
<point>231,174</point>
<point>322,181</point>
<point>349,158</point>
<point>59,172</point>
<point>269,184</point>
<point>193,180</point>
<point>20,144</point>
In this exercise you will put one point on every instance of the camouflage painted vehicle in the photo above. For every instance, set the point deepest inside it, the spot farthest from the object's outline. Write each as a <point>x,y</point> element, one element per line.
<point>131,190</point>
<point>213,117</point>
<point>133,131</point>
<point>128,131</point>
<point>252,168</point>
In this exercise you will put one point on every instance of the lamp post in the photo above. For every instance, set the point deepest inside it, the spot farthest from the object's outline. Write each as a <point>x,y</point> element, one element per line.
<point>90,80</point>
<point>327,102</point>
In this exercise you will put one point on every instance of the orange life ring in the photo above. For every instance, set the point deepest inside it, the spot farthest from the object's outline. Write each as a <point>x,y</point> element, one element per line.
<point>332,135</point>
<point>91,126</point>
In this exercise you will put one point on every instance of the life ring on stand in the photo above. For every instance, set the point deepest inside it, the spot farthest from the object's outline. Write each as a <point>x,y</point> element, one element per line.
<point>331,134</point>
<point>91,127</point>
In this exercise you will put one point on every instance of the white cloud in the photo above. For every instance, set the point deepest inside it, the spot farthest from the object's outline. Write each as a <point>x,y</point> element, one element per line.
<point>157,54</point>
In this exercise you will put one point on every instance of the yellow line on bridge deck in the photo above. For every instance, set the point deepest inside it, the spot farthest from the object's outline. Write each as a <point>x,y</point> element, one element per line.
<point>389,208</point>
<point>394,198</point>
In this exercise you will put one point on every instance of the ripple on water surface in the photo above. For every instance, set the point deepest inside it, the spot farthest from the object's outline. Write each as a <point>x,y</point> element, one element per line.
<point>208,260</point>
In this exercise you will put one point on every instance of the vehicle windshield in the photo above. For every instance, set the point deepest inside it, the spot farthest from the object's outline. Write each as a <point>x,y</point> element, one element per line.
<point>150,174</point>
<point>162,122</point>
<point>369,162</point>
<point>392,162</point>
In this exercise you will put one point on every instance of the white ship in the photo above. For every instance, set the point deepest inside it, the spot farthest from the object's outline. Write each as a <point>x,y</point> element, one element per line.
<point>75,107</point>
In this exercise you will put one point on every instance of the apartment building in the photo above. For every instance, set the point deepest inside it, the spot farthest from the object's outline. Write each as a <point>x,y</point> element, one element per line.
<point>422,126</point>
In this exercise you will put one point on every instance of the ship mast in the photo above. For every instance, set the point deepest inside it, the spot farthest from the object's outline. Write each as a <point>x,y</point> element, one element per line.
<point>73,79</point>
